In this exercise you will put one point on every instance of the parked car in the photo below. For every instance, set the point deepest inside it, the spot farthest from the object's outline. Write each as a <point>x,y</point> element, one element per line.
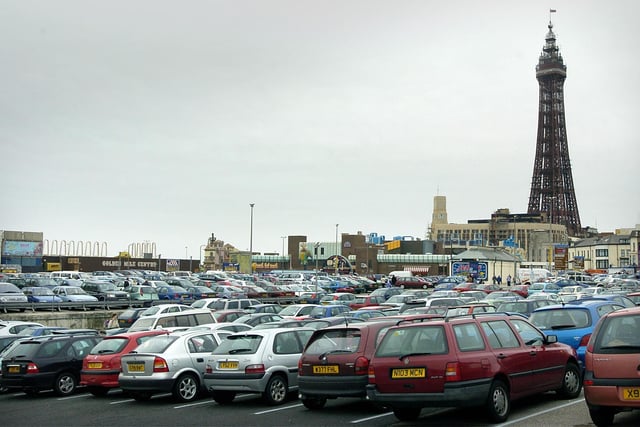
<point>73,294</point>
<point>228,315</point>
<point>172,293</point>
<point>546,287</point>
<point>11,293</point>
<point>524,306</point>
<point>173,320</point>
<point>101,367</point>
<point>263,361</point>
<point>330,310</point>
<point>172,363</point>
<point>143,295</point>
<point>611,382</point>
<point>232,304</point>
<point>200,292</point>
<point>106,291</point>
<point>165,308</point>
<point>297,310</point>
<point>40,295</point>
<point>335,362</point>
<point>573,322</point>
<point>253,319</point>
<point>386,292</point>
<point>13,327</point>
<point>45,363</point>
<point>129,316</point>
<point>436,364</point>
<point>311,297</point>
<point>264,308</point>
<point>325,322</point>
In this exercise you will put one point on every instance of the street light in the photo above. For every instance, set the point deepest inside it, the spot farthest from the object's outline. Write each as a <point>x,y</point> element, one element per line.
<point>338,251</point>
<point>283,238</point>
<point>186,252</point>
<point>251,231</point>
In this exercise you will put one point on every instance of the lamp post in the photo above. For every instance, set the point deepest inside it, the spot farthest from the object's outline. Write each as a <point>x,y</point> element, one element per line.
<point>201,254</point>
<point>283,238</point>
<point>251,231</point>
<point>337,247</point>
<point>186,252</point>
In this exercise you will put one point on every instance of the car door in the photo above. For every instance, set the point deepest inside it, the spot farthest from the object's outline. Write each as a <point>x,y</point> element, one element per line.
<point>549,363</point>
<point>199,347</point>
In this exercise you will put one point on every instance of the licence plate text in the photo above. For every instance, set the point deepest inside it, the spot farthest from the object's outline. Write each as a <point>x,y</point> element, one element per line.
<point>136,367</point>
<point>328,369</point>
<point>14,369</point>
<point>95,365</point>
<point>228,365</point>
<point>629,393</point>
<point>408,373</point>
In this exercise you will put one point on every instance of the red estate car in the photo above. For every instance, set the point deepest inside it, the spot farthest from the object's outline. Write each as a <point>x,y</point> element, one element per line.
<point>101,367</point>
<point>483,360</point>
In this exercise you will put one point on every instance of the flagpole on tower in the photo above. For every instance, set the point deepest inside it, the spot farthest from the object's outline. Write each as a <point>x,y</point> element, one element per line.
<point>550,12</point>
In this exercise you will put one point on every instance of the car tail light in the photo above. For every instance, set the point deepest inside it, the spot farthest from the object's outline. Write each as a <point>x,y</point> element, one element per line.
<point>362,365</point>
<point>585,340</point>
<point>372,375</point>
<point>254,369</point>
<point>452,372</point>
<point>32,368</point>
<point>300,366</point>
<point>208,369</point>
<point>160,365</point>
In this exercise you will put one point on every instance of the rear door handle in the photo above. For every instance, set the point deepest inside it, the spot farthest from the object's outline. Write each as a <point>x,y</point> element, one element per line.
<point>200,359</point>
<point>502,356</point>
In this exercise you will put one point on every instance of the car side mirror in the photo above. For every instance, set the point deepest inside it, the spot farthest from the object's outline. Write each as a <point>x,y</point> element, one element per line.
<point>551,339</point>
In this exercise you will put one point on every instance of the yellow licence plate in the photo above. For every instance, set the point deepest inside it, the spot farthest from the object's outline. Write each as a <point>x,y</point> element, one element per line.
<point>408,373</point>
<point>326,369</point>
<point>136,367</point>
<point>630,393</point>
<point>14,369</point>
<point>228,365</point>
<point>96,365</point>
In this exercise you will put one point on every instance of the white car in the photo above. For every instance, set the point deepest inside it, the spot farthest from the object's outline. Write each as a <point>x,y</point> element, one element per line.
<point>13,327</point>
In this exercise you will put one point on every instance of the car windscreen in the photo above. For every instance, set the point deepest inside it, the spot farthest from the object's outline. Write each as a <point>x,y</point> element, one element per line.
<point>110,345</point>
<point>561,318</point>
<point>619,334</point>
<point>239,344</point>
<point>157,344</point>
<point>334,341</point>
<point>420,340</point>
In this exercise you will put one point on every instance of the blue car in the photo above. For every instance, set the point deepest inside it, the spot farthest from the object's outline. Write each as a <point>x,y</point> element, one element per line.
<point>573,322</point>
<point>40,294</point>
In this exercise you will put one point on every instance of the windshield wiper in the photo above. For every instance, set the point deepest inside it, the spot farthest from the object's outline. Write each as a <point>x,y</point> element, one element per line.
<point>105,351</point>
<point>240,350</point>
<point>323,355</point>
<point>563,326</point>
<point>413,354</point>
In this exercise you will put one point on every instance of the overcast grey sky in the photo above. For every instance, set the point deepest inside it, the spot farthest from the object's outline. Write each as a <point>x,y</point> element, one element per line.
<point>126,121</point>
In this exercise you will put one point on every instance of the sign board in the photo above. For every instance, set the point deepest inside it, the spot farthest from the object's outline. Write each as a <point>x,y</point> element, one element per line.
<point>470,268</point>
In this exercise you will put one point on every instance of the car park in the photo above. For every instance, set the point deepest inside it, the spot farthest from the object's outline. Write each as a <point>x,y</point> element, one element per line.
<point>106,291</point>
<point>611,382</point>
<point>101,367</point>
<point>435,363</point>
<point>573,322</point>
<point>172,363</point>
<point>13,327</point>
<point>143,295</point>
<point>253,319</point>
<point>45,363</point>
<point>524,306</point>
<point>263,361</point>
<point>335,362</point>
<point>73,294</point>
<point>297,310</point>
<point>40,295</point>
<point>173,320</point>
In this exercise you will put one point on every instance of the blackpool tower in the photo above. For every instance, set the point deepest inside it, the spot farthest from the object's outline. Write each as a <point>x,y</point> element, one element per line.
<point>552,190</point>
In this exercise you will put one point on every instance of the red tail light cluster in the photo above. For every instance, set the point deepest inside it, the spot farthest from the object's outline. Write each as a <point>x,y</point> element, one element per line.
<point>160,365</point>
<point>362,366</point>
<point>254,369</point>
<point>32,368</point>
<point>452,372</point>
<point>585,340</point>
<point>372,375</point>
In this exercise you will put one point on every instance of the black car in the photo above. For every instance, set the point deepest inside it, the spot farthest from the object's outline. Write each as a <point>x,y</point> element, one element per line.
<point>106,291</point>
<point>45,363</point>
<point>127,317</point>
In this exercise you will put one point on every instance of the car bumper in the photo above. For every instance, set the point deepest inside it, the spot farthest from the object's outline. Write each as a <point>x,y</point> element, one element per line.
<point>236,382</point>
<point>323,386</point>
<point>30,381</point>
<point>610,392</point>
<point>160,385</point>
<point>99,378</point>
<point>463,394</point>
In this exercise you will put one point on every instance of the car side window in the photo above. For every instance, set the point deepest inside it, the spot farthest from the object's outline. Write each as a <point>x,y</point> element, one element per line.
<point>286,343</point>
<point>530,335</point>
<point>50,349</point>
<point>468,337</point>
<point>604,309</point>
<point>500,334</point>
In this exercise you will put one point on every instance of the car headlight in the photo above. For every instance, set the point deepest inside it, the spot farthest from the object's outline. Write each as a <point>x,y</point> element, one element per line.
<point>111,295</point>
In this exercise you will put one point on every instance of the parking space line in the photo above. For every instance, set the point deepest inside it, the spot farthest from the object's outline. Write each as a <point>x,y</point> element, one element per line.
<point>117,402</point>
<point>283,408</point>
<point>187,405</point>
<point>573,402</point>
<point>75,396</point>
<point>361,420</point>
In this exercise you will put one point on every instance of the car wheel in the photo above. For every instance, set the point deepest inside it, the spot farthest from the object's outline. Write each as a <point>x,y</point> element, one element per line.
<point>314,403</point>
<point>224,397</point>
<point>571,382</point>
<point>498,404</point>
<point>186,388</point>
<point>98,391</point>
<point>276,391</point>
<point>141,396</point>
<point>65,384</point>
<point>407,414</point>
<point>602,417</point>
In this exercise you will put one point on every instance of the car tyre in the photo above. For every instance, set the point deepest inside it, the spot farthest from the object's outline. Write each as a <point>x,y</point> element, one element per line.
<point>602,416</point>
<point>407,414</point>
<point>98,391</point>
<point>65,384</point>
<point>223,397</point>
<point>314,403</point>
<point>186,388</point>
<point>141,396</point>
<point>276,391</point>
<point>498,403</point>
<point>571,382</point>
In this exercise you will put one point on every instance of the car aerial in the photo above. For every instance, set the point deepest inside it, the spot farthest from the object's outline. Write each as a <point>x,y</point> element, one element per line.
<point>40,295</point>
<point>253,319</point>
<point>143,295</point>
<point>611,382</point>
<point>73,294</point>
<point>573,322</point>
<point>12,294</point>
<point>45,363</point>
<point>101,367</point>
<point>168,363</point>
<point>263,361</point>
<point>335,362</point>
<point>436,363</point>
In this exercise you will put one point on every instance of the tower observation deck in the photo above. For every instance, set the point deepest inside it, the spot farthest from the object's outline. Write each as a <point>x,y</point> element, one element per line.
<point>552,190</point>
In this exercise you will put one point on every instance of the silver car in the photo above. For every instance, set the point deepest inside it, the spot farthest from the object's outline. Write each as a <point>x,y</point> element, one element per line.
<point>169,363</point>
<point>262,361</point>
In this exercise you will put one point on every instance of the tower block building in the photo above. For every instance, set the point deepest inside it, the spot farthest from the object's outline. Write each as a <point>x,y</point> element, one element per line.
<point>552,190</point>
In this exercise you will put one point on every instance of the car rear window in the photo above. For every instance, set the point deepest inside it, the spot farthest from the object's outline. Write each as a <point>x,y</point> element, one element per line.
<point>335,341</point>
<point>413,340</point>
<point>561,318</point>
<point>239,344</point>
<point>110,345</point>
<point>619,334</point>
<point>157,344</point>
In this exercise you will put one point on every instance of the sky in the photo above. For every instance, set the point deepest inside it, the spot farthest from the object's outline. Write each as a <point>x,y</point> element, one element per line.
<point>162,121</point>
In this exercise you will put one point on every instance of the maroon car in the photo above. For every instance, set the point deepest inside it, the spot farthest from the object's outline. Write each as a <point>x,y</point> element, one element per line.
<point>335,362</point>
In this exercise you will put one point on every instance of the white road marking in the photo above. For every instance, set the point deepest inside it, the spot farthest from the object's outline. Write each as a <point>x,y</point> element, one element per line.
<point>361,420</point>
<point>75,396</point>
<point>573,402</point>
<point>187,405</point>
<point>283,408</point>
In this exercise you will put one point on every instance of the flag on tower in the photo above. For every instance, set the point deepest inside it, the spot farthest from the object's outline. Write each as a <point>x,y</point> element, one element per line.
<point>552,11</point>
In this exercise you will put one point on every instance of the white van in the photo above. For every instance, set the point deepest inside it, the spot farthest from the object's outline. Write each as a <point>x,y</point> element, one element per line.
<point>400,273</point>
<point>65,275</point>
<point>172,321</point>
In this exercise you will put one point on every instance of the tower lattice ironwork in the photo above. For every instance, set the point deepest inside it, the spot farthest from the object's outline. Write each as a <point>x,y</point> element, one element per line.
<point>552,188</point>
